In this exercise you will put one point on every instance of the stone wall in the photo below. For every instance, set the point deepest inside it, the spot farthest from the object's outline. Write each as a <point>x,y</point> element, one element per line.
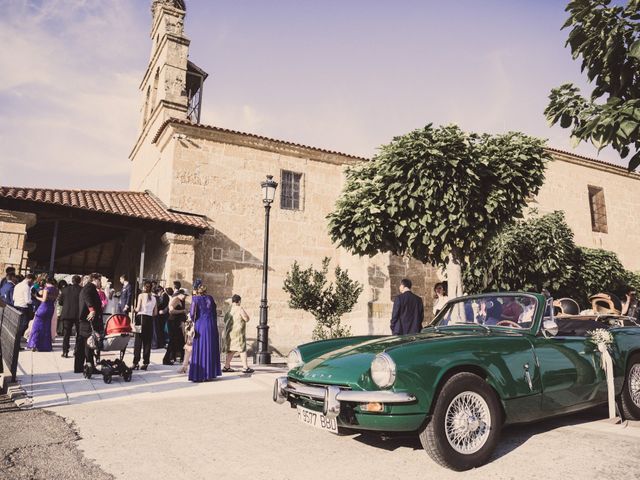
<point>13,247</point>
<point>222,181</point>
<point>566,188</point>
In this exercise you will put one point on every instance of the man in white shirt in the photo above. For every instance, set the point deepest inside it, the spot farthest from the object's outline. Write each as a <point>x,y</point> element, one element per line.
<point>22,302</point>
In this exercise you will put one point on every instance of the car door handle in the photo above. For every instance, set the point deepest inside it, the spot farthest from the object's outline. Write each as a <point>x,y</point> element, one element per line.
<point>527,376</point>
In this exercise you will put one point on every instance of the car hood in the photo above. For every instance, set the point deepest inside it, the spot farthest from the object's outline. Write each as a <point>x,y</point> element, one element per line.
<point>348,365</point>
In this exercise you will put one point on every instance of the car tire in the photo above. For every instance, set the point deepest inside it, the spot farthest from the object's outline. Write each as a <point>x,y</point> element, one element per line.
<point>449,429</point>
<point>630,397</point>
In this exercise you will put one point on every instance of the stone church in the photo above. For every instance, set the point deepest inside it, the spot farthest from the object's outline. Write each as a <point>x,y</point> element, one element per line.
<point>199,187</point>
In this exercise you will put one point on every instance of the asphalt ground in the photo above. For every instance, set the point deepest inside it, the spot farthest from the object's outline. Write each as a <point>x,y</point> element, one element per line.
<point>161,426</point>
<point>233,430</point>
<point>40,445</point>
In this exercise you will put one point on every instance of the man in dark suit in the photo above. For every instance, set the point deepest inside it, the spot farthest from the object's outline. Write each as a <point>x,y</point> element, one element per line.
<point>70,301</point>
<point>90,308</point>
<point>408,311</point>
<point>124,305</point>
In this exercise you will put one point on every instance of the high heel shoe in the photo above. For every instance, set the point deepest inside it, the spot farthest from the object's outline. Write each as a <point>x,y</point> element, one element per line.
<point>135,367</point>
<point>144,367</point>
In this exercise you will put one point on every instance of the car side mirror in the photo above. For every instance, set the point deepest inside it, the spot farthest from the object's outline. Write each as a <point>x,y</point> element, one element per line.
<point>549,327</point>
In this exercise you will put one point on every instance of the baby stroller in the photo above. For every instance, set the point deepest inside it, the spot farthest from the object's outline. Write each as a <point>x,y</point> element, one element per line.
<point>117,334</point>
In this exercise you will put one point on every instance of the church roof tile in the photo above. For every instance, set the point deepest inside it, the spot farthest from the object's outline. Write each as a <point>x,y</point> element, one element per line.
<point>142,205</point>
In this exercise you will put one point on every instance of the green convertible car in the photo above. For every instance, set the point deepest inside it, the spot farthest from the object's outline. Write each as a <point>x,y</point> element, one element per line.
<point>484,362</point>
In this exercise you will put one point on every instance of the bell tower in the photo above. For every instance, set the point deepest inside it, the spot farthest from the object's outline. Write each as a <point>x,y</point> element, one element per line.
<point>163,86</point>
<point>171,86</point>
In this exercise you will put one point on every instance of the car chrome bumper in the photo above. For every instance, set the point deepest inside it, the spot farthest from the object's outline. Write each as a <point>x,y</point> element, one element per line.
<point>332,395</point>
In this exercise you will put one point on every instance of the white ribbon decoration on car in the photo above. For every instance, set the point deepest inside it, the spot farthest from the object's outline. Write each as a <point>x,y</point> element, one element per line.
<point>607,366</point>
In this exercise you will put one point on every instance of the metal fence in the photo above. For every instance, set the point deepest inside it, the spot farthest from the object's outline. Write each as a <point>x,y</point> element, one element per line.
<point>9,340</point>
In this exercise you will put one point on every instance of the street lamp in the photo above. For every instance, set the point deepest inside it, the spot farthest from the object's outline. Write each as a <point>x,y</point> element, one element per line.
<point>268,195</point>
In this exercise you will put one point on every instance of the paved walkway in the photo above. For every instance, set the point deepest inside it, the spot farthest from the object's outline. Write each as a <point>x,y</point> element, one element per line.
<point>50,382</point>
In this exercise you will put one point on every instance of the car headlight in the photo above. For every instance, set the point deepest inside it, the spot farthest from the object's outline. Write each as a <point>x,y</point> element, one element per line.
<point>294,359</point>
<point>383,370</point>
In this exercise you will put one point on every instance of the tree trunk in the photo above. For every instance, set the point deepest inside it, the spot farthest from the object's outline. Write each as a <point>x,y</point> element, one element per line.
<point>454,276</point>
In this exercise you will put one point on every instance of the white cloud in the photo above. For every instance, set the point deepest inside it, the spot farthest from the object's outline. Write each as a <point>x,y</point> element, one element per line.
<point>68,93</point>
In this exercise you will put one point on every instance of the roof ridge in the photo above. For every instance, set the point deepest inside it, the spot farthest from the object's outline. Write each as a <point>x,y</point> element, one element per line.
<point>591,159</point>
<point>181,121</point>
<point>74,190</point>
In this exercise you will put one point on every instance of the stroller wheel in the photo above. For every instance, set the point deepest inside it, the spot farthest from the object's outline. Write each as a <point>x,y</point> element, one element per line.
<point>107,378</point>
<point>88,370</point>
<point>127,376</point>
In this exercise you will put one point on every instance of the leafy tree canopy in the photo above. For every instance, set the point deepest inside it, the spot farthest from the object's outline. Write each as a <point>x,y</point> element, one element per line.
<point>540,253</point>
<point>607,37</point>
<point>528,255</point>
<point>596,271</point>
<point>310,290</point>
<point>437,194</point>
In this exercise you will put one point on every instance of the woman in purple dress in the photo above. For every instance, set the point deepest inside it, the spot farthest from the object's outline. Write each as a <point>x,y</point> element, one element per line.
<point>205,356</point>
<point>40,338</point>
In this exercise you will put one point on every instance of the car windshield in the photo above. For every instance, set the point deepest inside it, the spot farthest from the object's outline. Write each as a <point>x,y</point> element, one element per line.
<point>511,311</point>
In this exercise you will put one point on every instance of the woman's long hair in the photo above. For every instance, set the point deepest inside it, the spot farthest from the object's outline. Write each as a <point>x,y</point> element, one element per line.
<point>146,288</point>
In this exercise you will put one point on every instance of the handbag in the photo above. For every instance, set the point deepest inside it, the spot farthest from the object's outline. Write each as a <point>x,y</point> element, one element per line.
<point>94,342</point>
<point>136,327</point>
<point>189,331</point>
<point>27,332</point>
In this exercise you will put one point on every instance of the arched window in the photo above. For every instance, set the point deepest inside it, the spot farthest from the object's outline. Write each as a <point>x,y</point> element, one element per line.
<point>146,107</point>
<point>154,92</point>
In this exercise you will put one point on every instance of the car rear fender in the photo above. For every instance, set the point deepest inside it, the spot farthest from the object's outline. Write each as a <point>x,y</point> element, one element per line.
<point>627,345</point>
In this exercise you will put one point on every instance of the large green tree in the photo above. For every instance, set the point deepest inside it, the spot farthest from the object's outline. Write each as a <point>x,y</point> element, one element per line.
<point>607,38</point>
<point>437,194</point>
<point>527,255</point>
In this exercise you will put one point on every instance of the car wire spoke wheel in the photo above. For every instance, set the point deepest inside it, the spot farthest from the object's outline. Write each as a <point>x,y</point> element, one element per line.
<point>634,384</point>
<point>468,422</point>
<point>630,398</point>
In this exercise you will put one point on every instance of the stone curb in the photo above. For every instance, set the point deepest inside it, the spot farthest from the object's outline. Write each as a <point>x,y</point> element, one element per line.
<point>17,394</point>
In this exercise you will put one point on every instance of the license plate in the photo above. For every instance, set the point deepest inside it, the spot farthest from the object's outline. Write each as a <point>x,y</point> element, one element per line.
<point>317,420</point>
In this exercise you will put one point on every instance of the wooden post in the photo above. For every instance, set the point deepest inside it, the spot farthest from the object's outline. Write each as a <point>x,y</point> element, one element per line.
<point>54,243</point>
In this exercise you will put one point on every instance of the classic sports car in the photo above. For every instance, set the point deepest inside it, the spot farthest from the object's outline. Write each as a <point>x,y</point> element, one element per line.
<point>485,361</point>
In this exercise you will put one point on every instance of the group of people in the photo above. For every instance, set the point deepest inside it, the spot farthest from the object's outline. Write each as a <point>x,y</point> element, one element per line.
<point>159,316</point>
<point>35,298</point>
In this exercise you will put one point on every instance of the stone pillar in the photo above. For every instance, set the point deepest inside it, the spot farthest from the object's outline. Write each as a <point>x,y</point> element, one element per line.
<point>180,258</point>
<point>13,232</point>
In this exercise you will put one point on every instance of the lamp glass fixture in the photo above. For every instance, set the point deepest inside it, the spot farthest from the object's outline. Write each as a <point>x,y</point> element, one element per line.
<point>269,190</point>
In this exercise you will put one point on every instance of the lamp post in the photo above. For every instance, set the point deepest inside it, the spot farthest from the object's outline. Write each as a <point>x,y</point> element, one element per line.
<point>263,357</point>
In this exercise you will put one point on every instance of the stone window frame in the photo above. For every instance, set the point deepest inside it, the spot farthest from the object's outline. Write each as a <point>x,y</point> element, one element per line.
<point>288,202</point>
<point>597,209</point>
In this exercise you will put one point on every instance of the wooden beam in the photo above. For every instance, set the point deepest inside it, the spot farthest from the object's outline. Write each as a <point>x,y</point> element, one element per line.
<point>54,242</point>
<point>84,259</point>
<point>100,252</point>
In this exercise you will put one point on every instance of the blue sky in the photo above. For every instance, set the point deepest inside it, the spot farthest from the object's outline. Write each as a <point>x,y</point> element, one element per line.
<point>343,75</point>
